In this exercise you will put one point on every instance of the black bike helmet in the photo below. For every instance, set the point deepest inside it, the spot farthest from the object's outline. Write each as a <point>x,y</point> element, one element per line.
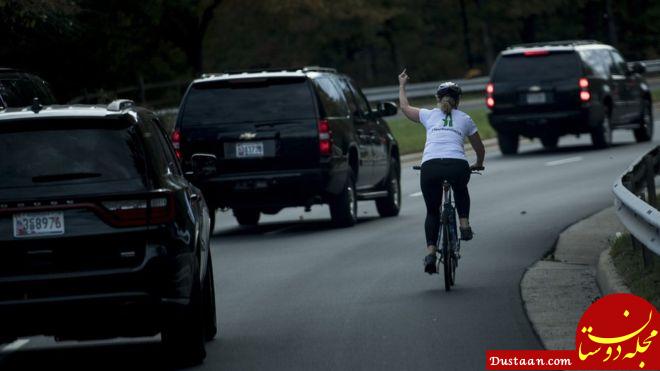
<point>449,88</point>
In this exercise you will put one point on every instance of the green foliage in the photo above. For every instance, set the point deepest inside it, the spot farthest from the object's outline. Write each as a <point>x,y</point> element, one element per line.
<point>85,45</point>
<point>644,282</point>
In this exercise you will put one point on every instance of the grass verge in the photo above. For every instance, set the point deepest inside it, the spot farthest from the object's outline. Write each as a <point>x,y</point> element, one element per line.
<point>644,282</point>
<point>655,94</point>
<point>412,136</point>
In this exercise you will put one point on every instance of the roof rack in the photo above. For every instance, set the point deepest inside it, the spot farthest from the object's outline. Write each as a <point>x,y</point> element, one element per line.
<point>554,43</point>
<point>319,69</point>
<point>120,105</point>
<point>273,69</point>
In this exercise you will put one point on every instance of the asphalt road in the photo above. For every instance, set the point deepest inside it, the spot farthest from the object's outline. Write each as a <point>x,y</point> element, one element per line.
<point>294,293</point>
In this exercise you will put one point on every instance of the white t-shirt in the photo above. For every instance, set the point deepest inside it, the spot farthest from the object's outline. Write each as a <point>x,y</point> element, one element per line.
<point>445,134</point>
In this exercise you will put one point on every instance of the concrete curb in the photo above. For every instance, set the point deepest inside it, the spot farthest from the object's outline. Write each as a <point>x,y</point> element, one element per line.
<point>608,278</point>
<point>556,291</point>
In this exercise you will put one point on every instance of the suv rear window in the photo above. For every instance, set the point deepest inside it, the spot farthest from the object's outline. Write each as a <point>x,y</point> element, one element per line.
<point>253,100</point>
<point>53,153</point>
<point>553,66</point>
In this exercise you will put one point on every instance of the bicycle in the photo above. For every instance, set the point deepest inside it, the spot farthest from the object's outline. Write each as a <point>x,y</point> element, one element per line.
<point>448,235</point>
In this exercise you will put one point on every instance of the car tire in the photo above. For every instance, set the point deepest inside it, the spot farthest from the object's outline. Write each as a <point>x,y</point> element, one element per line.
<point>391,204</point>
<point>210,318</point>
<point>212,211</point>
<point>508,143</point>
<point>645,131</point>
<point>183,333</point>
<point>247,217</point>
<point>343,207</point>
<point>601,135</point>
<point>550,141</point>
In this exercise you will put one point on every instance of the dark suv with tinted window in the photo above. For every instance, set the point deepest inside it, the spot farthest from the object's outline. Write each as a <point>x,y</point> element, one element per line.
<point>274,139</point>
<point>100,234</point>
<point>546,90</point>
<point>19,89</point>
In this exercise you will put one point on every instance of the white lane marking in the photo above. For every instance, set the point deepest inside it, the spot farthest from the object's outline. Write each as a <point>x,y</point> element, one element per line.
<point>564,161</point>
<point>15,345</point>
<point>416,194</point>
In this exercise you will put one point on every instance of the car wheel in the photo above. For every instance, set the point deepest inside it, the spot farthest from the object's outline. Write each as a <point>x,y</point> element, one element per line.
<point>550,141</point>
<point>343,207</point>
<point>601,136</point>
<point>390,205</point>
<point>212,211</point>
<point>508,143</point>
<point>210,320</point>
<point>645,131</point>
<point>183,333</point>
<point>247,217</point>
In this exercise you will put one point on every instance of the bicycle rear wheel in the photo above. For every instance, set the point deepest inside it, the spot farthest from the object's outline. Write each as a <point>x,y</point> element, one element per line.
<point>447,257</point>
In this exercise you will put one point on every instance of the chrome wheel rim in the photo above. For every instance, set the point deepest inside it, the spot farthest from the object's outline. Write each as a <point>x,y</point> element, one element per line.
<point>352,202</point>
<point>648,125</point>
<point>395,192</point>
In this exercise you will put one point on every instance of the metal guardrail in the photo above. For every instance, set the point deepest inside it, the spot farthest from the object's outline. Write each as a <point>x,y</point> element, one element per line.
<point>640,217</point>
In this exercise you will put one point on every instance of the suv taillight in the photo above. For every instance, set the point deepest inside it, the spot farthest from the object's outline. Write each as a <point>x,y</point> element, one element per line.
<point>176,143</point>
<point>325,138</point>
<point>490,89</point>
<point>585,95</point>
<point>142,211</point>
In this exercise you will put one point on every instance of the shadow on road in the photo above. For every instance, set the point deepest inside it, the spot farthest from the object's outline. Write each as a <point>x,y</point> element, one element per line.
<point>569,149</point>
<point>287,227</point>
<point>132,356</point>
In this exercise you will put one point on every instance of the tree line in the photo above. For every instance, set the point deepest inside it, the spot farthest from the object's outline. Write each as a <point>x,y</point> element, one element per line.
<point>83,46</point>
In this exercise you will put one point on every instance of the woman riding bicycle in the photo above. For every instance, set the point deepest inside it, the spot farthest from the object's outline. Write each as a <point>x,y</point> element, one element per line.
<point>444,159</point>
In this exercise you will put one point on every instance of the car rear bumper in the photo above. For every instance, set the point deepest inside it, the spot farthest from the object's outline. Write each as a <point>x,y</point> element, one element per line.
<point>264,190</point>
<point>544,123</point>
<point>96,304</point>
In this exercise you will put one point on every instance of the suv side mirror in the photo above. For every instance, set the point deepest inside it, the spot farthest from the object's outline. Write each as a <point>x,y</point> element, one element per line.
<point>203,164</point>
<point>637,67</point>
<point>387,109</point>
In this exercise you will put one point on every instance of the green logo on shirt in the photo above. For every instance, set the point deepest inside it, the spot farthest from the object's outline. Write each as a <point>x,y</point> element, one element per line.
<point>447,122</point>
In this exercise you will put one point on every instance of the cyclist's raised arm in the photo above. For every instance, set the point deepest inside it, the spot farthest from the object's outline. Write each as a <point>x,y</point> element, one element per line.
<point>478,146</point>
<point>412,113</point>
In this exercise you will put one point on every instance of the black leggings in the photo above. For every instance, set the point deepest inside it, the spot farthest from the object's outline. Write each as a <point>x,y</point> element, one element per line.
<point>434,172</point>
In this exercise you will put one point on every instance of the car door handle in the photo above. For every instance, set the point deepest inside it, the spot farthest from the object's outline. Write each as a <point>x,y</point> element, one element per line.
<point>194,197</point>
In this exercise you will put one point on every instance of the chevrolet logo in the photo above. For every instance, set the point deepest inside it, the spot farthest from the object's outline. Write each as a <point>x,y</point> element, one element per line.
<point>248,135</point>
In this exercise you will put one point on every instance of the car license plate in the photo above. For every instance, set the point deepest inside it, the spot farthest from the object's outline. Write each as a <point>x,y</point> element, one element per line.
<point>535,98</point>
<point>38,224</point>
<point>250,149</point>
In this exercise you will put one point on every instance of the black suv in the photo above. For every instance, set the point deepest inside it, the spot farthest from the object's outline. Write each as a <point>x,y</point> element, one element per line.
<point>18,89</point>
<point>275,139</point>
<point>546,90</point>
<point>101,235</point>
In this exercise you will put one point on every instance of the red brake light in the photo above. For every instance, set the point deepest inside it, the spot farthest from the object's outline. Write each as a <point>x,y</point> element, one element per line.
<point>176,143</point>
<point>584,83</point>
<point>536,53</point>
<point>142,211</point>
<point>490,102</point>
<point>585,96</point>
<point>325,138</point>
<point>490,88</point>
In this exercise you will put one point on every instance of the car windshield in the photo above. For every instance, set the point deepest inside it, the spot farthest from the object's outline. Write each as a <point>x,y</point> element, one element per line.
<point>250,100</point>
<point>61,154</point>
<point>554,66</point>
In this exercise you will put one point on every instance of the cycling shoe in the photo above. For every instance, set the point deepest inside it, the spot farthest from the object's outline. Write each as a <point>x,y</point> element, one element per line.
<point>466,233</point>
<point>429,264</point>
